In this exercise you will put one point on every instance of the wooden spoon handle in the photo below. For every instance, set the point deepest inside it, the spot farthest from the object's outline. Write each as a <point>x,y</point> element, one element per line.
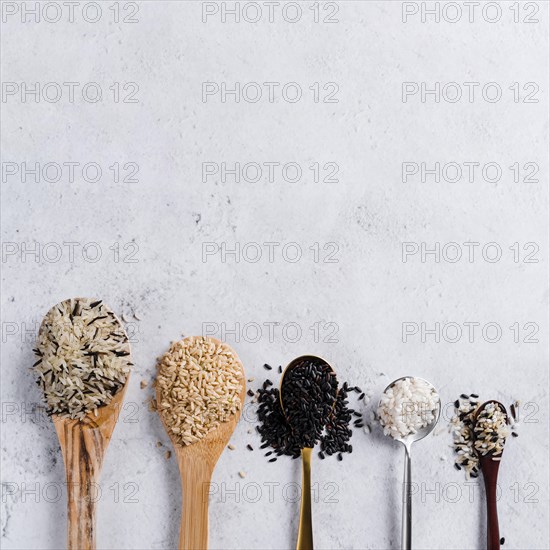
<point>493,535</point>
<point>195,484</point>
<point>83,449</point>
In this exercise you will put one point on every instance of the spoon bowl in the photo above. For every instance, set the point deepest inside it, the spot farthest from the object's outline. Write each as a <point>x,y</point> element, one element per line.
<point>291,366</point>
<point>196,464</point>
<point>305,529</point>
<point>424,431</point>
<point>407,441</point>
<point>482,407</point>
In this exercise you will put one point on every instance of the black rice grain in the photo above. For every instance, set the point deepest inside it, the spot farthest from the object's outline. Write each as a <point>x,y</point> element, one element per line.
<point>309,393</point>
<point>316,411</point>
<point>337,432</point>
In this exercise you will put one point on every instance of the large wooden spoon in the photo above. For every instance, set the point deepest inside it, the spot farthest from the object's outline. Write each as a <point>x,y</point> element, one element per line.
<point>196,465</point>
<point>84,441</point>
<point>83,445</point>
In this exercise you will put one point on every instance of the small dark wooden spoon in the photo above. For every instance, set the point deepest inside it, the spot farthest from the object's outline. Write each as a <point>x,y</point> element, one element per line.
<point>490,467</point>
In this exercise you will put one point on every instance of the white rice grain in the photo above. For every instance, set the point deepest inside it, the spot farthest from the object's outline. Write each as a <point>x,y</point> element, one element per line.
<point>407,406</point>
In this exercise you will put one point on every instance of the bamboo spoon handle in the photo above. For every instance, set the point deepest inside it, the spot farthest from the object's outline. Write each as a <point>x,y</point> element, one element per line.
<point>195,484</point>
<point>83,449</point>
<point>305,530</point>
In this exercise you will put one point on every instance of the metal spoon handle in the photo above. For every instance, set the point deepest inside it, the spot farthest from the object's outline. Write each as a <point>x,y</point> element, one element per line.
<point>305,530</point>
<point>406,531</point>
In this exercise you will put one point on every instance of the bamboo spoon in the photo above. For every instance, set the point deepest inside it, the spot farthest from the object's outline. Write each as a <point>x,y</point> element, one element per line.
<point>196,465</point>
<point>83,445</point>
<point>490,467</point>
<point>305,528</point>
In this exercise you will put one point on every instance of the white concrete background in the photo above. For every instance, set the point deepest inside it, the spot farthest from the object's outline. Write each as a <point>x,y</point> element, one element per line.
<point>368,293</point>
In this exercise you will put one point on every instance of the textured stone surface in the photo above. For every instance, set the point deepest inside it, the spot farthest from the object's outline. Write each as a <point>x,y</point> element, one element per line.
<point>356,305</point>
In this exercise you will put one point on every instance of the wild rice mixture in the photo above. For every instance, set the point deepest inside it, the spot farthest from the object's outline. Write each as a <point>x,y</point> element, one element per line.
<point>84,357</point>
<point>198,383</point>
<point>462,426</point>
<point>493,427</point>
<point>408,406</point>
<point>491,431</point>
